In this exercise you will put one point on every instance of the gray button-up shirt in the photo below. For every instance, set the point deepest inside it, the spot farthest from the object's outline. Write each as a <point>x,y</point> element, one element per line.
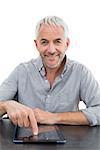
<point>76,83</point>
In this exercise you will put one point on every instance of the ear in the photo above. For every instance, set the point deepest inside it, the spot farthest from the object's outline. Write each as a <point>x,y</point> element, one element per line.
<point>35,41</point>
<point>67,42</point>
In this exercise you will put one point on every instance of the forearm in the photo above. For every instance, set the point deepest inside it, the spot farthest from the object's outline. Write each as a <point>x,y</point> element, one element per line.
<point>71,118</point>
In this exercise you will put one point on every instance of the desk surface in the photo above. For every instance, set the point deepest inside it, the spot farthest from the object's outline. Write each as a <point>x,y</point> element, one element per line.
<point>78,137</point>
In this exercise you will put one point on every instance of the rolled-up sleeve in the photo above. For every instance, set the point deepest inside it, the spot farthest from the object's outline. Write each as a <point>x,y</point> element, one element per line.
<point>8,88</point>
<point>90,95</point>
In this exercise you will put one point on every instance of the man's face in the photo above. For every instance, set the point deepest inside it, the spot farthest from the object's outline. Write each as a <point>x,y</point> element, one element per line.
<point>51,44</point>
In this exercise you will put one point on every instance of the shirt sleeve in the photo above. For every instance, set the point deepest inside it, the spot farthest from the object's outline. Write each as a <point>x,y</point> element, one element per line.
<point>90,95</point>
<point>8,88</point>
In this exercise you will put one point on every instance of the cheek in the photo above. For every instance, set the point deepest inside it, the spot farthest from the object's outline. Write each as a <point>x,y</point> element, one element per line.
<point>41,49</point>
<point>62,49</point>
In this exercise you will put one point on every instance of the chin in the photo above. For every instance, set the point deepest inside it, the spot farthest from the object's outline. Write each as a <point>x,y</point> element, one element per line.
<point>53,66</point>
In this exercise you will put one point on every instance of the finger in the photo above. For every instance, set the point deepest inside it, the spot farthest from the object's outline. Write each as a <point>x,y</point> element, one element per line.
<point>20,121</point>
<point>15,122</point>
<point>26,121</point>
<point>13,118</point>
<point>33,123</point>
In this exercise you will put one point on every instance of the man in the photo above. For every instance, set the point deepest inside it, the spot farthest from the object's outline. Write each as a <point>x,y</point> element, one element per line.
<point>50,87</point>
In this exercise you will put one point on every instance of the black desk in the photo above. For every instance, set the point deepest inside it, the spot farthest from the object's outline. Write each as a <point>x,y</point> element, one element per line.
<point>78,138</point>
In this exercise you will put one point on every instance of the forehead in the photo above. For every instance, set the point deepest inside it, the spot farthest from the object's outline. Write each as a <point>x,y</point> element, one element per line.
<point>51,31</point>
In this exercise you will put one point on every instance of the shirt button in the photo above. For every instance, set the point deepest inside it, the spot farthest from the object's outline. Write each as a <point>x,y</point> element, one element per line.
<point>46,81</point>
<point>48,96</point>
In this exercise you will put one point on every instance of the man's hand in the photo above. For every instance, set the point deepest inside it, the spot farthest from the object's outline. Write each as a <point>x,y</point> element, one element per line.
<point>44,117</point>
<point>21,115</point>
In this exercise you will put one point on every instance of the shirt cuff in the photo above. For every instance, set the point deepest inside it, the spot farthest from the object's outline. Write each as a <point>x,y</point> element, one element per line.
<point>90,116</point>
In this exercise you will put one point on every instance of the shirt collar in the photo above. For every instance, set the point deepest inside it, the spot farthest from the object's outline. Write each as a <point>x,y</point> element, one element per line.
<point>40,66</point>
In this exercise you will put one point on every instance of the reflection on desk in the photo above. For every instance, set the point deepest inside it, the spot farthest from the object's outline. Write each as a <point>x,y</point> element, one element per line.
<point>78,137</point>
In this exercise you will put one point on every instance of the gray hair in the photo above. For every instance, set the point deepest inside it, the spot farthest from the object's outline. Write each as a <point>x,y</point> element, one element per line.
<point>52,20</point>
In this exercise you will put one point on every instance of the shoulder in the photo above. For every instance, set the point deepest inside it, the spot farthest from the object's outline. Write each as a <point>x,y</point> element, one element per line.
<point>76,65</point>
<point>85,72</point>
<point>78,68</point>
<point>25,67</point>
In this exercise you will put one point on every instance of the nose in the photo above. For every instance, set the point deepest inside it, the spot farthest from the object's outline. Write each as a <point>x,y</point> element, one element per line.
<point>51,48</point>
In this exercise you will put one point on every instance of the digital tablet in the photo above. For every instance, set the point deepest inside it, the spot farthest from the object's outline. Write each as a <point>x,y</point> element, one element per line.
<point>47,134</point>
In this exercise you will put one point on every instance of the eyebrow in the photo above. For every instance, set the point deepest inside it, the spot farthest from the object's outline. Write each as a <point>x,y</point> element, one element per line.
<point>58,39</point>
<point>43,39</point>
<point>54,39</point>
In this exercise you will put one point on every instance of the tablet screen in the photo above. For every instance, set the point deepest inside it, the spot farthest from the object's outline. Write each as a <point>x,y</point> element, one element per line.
<point>47,134</point>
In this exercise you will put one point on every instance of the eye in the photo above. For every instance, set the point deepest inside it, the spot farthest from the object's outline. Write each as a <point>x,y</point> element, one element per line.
<point>58,41</point>
<point>44,42</point>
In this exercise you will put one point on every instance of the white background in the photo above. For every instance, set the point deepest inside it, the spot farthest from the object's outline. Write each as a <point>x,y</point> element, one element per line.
<point>18,19</point>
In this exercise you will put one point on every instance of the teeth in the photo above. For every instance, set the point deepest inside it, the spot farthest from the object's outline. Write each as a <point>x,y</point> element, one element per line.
<point>51,56</point>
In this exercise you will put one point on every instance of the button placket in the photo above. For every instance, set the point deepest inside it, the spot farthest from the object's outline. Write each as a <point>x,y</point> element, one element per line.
<point>47,102</point>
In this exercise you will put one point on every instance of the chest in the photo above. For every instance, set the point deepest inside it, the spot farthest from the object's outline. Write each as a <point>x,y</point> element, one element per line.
<point>63,96</point>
